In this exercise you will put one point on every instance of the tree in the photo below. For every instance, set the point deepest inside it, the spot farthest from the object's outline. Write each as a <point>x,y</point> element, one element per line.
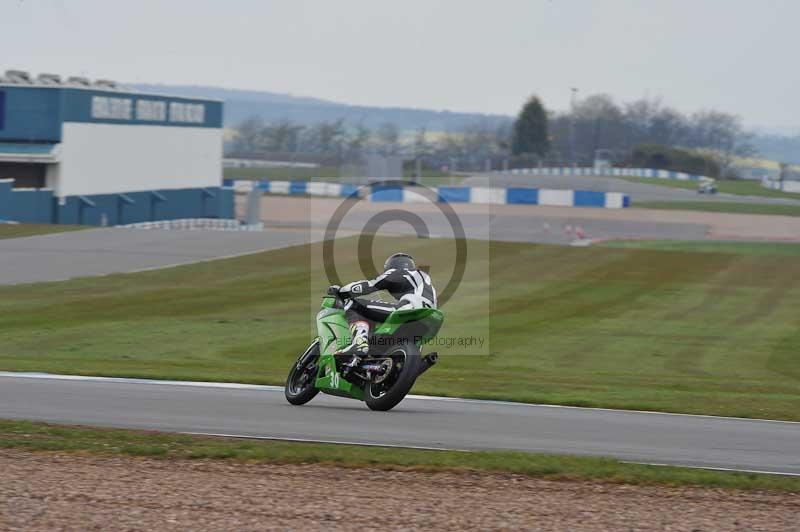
<point>358,141</point>
<point>723,134</point>
<point>530,135</point>
<point>502,139</point>
<point>696,162</point>
<point>283,136</point>
<point>326,137</point>
<point>599,124</point>
<point>388,138</point>
<point>248,135</point>
<point>421,146</point>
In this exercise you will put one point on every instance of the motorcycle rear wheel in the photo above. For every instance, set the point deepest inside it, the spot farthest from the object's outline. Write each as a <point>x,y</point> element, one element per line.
<point>388,393</point>
<point>299,388</point>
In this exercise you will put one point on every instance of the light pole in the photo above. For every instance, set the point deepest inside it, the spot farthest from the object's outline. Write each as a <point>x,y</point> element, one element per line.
<point>573,97</point>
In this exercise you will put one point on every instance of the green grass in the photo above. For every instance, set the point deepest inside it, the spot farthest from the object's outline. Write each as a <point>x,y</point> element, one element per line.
<point>43,437</point>
<point>721,206</point>
<point>710,246</point>
<point>751,188</point>
<point>282,174</point>
<point>710,333</point>
<point>731,186</point>
<point>20,230</point>
<point>323,173</point>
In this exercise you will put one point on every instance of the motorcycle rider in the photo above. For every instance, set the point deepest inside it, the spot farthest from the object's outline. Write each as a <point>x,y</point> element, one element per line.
<point>411,288</point>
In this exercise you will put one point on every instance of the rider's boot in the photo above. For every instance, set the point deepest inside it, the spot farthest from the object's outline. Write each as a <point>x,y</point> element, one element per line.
<point>359,347</point>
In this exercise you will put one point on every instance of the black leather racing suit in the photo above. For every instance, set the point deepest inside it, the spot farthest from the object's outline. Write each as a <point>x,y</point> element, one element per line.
<point>411,288</point>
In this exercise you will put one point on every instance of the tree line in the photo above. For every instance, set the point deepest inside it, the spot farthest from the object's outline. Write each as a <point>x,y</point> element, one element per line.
<point>627,133</point>
<point>339,143</point>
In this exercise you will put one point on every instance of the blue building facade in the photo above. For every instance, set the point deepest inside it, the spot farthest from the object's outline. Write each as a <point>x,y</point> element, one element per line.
<point>101,155</point>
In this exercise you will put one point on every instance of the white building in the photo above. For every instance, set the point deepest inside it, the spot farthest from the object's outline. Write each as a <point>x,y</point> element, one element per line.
<point>82,139</point>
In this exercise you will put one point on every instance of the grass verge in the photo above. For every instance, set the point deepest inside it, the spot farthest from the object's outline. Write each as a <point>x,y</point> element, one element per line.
<point>45,437</point>
<point>741,187</point>
<point>327,173</point>
<point>721,206</point>
<point>282,173</point>
<point>644,329</point>
<point>763,249</point>
<point>20,230</point>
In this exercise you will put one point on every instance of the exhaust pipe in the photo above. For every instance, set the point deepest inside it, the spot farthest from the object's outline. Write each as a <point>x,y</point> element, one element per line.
<point>428,361</point>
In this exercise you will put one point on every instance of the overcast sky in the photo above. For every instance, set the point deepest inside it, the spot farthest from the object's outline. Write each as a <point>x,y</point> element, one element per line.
<point>486,56</point>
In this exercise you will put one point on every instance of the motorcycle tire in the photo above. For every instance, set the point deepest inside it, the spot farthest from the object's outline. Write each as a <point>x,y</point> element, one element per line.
<point>300,394</point>
<point>386,395</point>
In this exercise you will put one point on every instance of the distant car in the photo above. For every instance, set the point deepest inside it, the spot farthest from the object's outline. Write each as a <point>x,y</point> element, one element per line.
<point>707,186</point>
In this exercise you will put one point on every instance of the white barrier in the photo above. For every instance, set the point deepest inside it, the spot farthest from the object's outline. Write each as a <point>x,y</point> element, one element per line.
<point>195,224</point>
<point>785,186</point>
<point>399,192</point>
<point>605,172</point>
<point>563,198</point>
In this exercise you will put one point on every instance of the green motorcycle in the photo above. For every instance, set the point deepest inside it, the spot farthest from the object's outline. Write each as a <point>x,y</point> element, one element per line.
<point>384,376</point>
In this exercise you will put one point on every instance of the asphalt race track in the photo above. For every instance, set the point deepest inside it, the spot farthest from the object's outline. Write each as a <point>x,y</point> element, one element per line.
<point>534,224</point>
<point>262,411</point>
<point>294,221</point>
<point>60,256</point>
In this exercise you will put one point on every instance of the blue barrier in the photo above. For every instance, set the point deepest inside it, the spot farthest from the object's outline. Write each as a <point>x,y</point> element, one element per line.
<point>6,186</point>
<point>454,194</point>
<point>395,192</point>
<point>227,206</point>
<point>40,206</point>
<point>297,187</point>
<point>73,210</point>
<point>386,193</point>
<point>528,196</point>
<point>349,190</point>
<point>30,206</point>
<point>589,198</point>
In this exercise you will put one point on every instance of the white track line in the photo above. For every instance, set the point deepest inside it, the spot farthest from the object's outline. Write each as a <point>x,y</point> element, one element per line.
<point>124,380</point>
<point>422,448</point>
<point>336,442</point>
<point>239,386</point>
<point>711,468</point>
<point>270,388</point>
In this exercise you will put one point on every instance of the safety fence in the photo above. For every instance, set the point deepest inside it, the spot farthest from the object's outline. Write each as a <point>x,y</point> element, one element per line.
<point>399,192</point>
<point>607,172</point>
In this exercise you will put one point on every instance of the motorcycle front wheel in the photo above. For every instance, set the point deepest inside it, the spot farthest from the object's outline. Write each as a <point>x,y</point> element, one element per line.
<point>299,388</point>
<point>387,393</point>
